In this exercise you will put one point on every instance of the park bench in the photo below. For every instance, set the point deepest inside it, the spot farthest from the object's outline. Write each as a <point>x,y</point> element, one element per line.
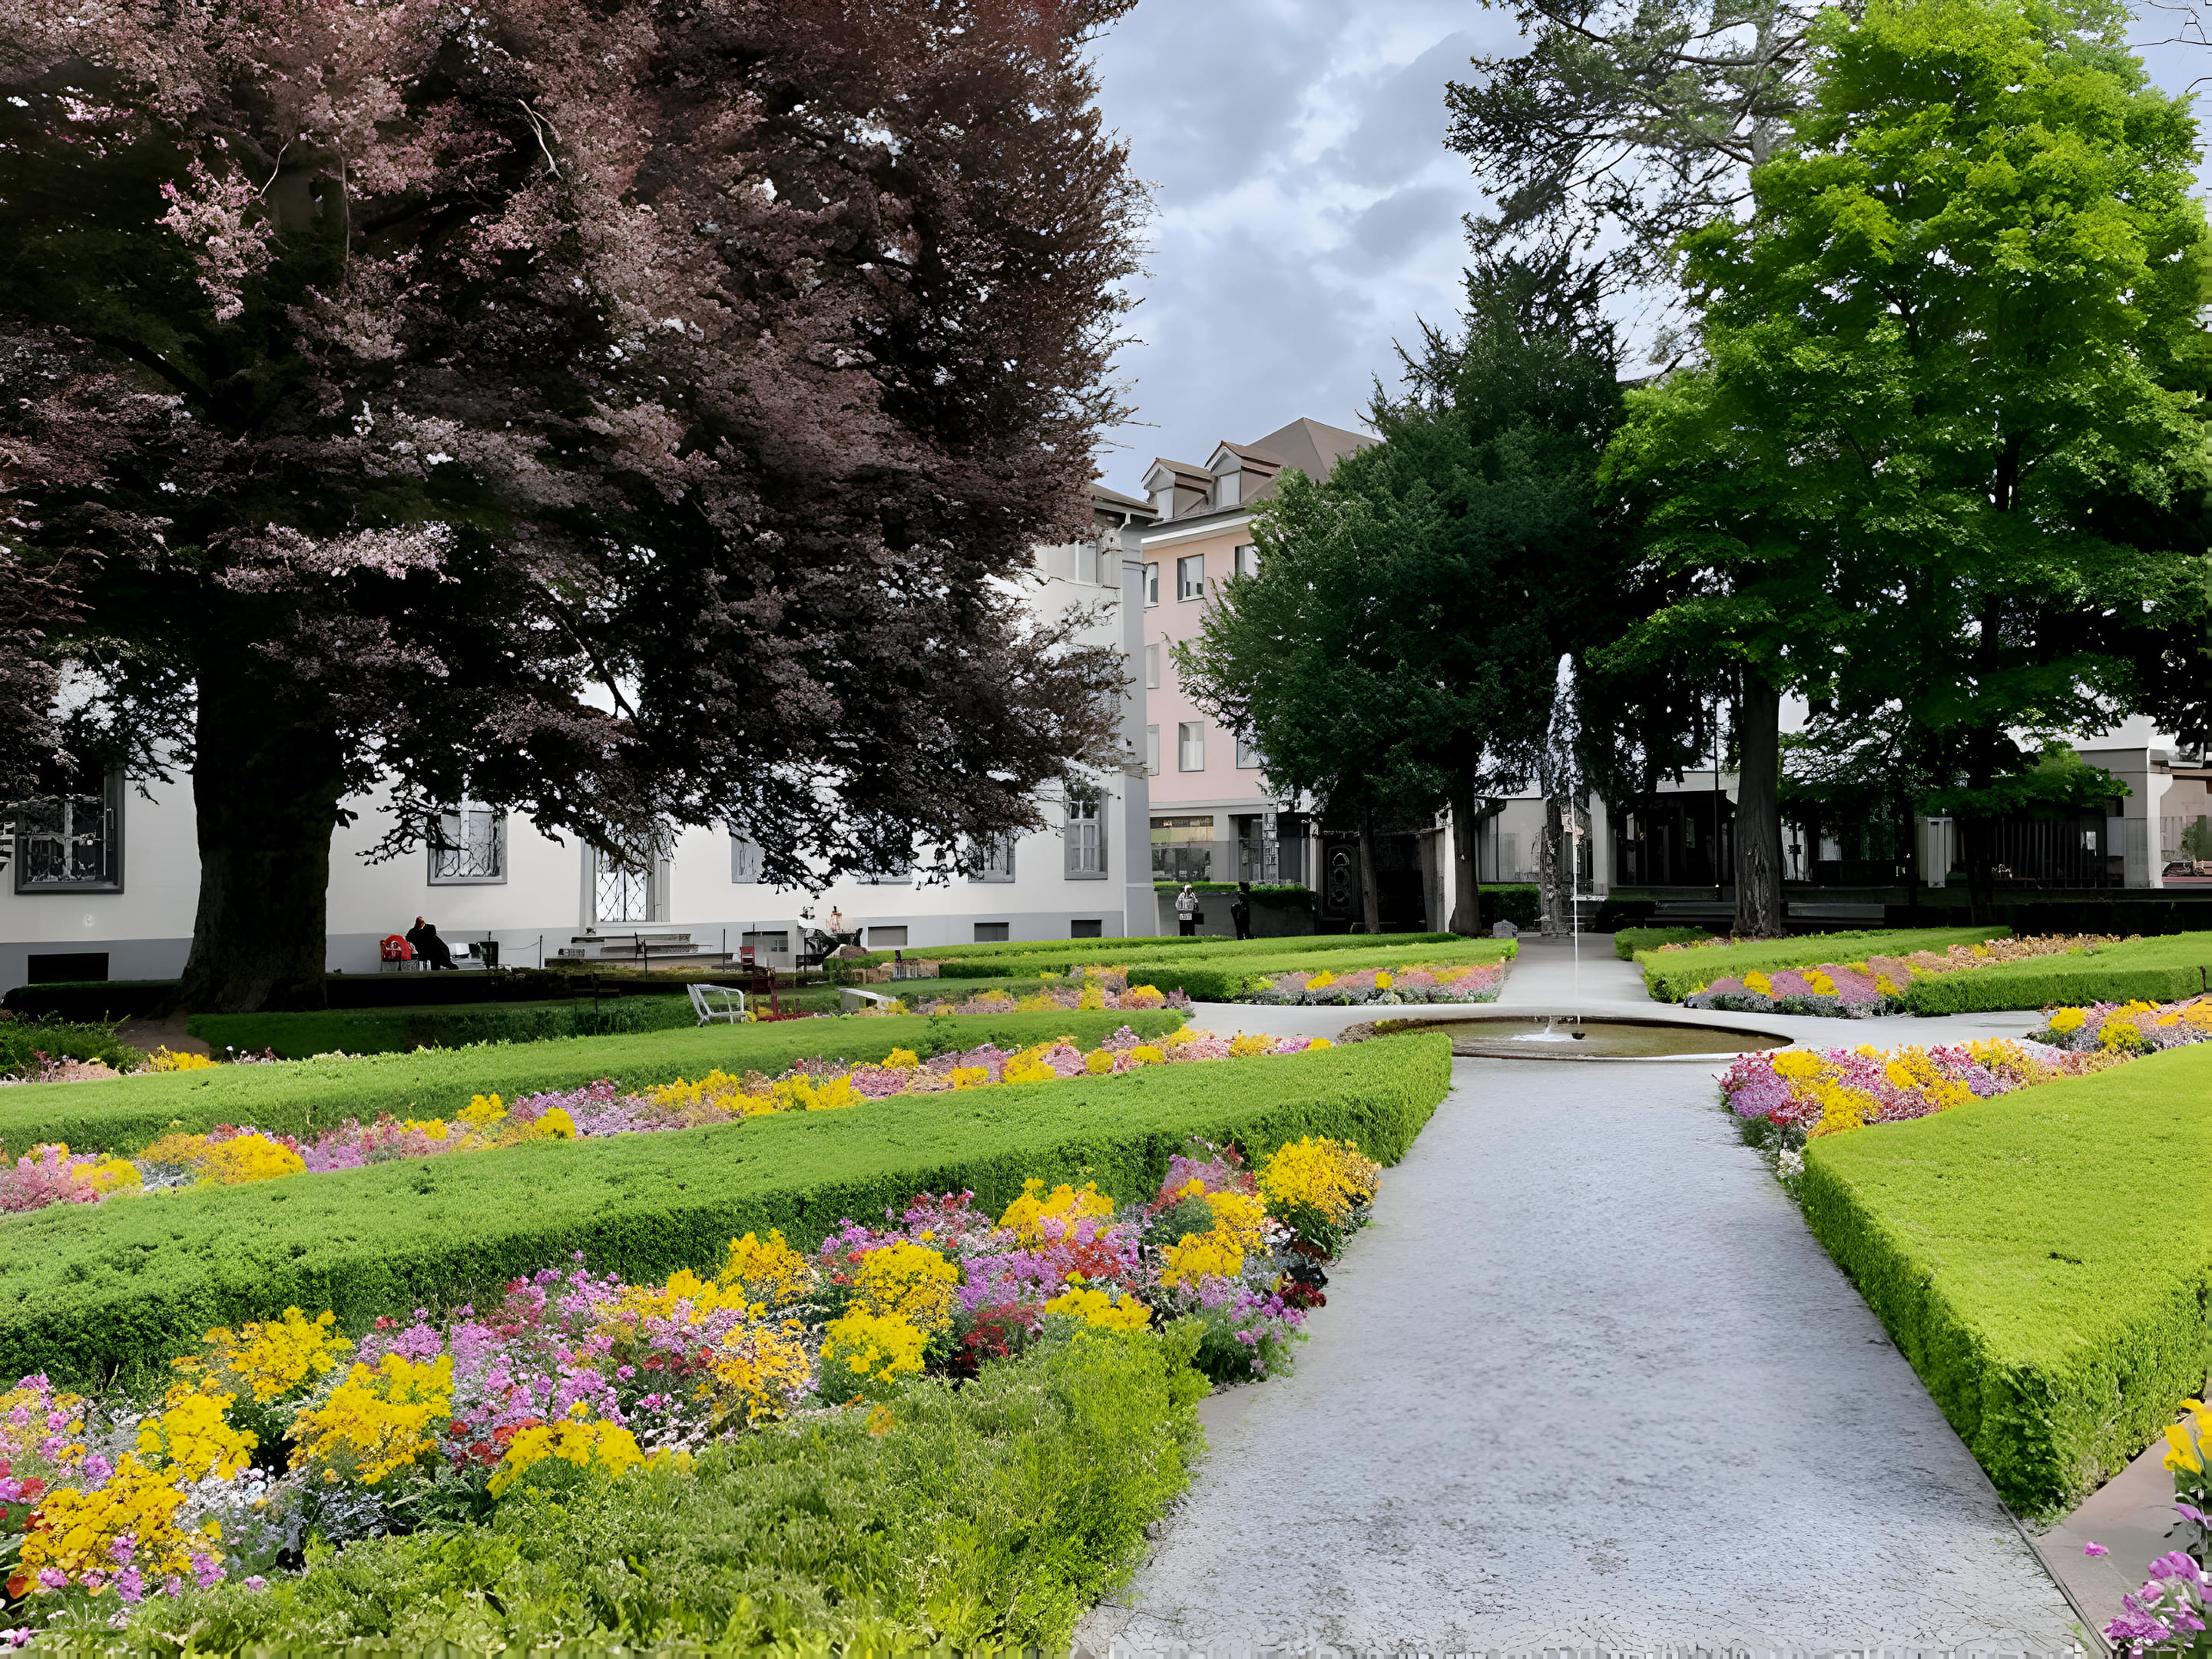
<point>718,1004</point>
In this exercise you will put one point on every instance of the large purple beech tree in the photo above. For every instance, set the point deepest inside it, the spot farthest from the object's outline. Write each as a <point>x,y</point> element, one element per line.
<point>617,412</point>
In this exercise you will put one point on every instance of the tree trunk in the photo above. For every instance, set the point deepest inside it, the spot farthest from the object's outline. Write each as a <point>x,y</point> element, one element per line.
<point>1555,869</point>
<point>1369,904</point>
<point>266,793</point>
<point>1467,881</point>
<point>1758,812</point>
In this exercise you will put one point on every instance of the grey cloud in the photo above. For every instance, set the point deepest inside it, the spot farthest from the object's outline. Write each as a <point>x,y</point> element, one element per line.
<point>1402,130</point>
<point>1404,220</point>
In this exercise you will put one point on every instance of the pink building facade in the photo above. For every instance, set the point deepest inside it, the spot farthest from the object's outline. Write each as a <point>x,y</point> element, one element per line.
<point>1212,818</point>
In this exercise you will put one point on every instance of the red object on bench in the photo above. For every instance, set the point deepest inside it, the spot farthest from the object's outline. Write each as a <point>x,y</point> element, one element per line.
<point>393,948</point>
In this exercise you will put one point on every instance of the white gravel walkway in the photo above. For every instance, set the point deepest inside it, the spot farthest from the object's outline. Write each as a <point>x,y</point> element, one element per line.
<point>1588,1381</point>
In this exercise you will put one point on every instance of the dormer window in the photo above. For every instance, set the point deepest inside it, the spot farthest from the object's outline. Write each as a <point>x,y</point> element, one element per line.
<point>1228,488</point>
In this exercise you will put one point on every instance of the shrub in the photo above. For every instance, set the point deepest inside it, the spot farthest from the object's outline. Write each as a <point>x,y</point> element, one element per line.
<point>2044,1260</point>
<point>125,1114</point>
<point>1627,941</point>
<point>2165,970</point>
<point>21,1041</point>
<point>992,1515</point>
<point>1234,979</point>
<point>148,1275</point>
<point>1521,903</point>
<point>1671,976</point>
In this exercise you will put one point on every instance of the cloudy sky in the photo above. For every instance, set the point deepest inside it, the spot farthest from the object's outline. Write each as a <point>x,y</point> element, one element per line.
<point>1307,214</point>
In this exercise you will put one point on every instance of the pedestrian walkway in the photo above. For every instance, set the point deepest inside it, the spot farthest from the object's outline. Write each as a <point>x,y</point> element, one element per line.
<point>1588,1381</point>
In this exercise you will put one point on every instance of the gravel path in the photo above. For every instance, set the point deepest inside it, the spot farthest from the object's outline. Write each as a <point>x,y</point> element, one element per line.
<point>1588,1381</point>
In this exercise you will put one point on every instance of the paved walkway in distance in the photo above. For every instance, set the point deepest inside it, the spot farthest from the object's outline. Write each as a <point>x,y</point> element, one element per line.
<point>1586,1381</point>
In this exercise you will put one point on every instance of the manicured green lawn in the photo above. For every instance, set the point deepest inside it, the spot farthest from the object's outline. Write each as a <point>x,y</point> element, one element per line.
<point>1671,976</point>
<point>1226,978</point>
<point>2165,969</point>
<point>125,1285</point>
<point>2045,1261</point>
<point>123,1114</point>
<point>1057,956</point>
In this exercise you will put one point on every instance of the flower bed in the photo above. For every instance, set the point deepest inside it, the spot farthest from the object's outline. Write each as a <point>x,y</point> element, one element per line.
<point>2135,1028</point>
<point>1421,982</point>
<point>1873,985</point>
<point>1090,988</point>
<point>231,1156</point>
<point>577,1384</point>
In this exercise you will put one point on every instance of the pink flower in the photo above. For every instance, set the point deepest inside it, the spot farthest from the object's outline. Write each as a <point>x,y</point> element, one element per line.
<point>2095,1549</point>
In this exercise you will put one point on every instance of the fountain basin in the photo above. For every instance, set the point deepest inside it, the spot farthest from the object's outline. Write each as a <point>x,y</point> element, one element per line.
<point>1609,1037</point>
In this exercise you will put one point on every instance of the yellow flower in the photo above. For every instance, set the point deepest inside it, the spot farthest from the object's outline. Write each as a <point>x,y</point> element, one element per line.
<point>1181,1035</point>
<point>1819,983</point>
<point>1145,1054</point>
<point>1028,1067</point>
<point>248,1158</point>
<point>1382,979</point>
<point>114,1174</point>
<point>881,1421</point>
<point>800,1093</point>
<point>760,1371</point>
<point>1098,1309</point>
<point>1322,981</point>
<point>908,1282</point>
<point>554,1124</point>
<point>971,1077</point>
<point>1318,1044</point>
<point>1755,980</point>
<point>378,1420</point>
<point>1098,1061</point>
<point>483,1111</point>
<point>1092,997</point>
<point>165,1060</point>
<point>79,1531</point>
<point>1200,1256</point>
<point>1242,1044</point>
<point>2068,1019</point>
<point>584,1444</point>
<point>1142,996</point>
<point>272,1359</point>
<point>1799,1065</point>
<point>1330,1175</point>
<point>1034,1218</point>
<point>192,1436</point>
<point>872,1345</point>
<point>902,1060</point>
<point>771,1273</point>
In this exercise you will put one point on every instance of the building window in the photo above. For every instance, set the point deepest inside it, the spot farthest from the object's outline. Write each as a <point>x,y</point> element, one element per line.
<point>1190,577</point>
<point>1095,929</point>
<point>1152,666</point>
<point>72,843</point>
<point>1151,752</point>
<point>621,891</point>
<point>1190,746</point>
<point>468,845</point>
<point>991,933</point>
<point>886,938</point>
<point>1247,753</point>
<point>777,944</point>
<point>994,859</point>
<point>1086,836</point>
<point>1183,849</point>
<point>1228,488</point>
<point>1151,584</point>
<point>1248,560</point>
<point>744,859</point>
<point>1087,562</point>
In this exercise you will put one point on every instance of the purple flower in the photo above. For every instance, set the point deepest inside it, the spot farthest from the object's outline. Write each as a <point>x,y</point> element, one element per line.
<point>2095,1549</point>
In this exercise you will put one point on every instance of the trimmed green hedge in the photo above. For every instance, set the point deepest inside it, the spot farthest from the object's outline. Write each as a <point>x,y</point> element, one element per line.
<point>128,999</point>
<point>2165,970</point>
<point>370,1032</point>
<point>1671,976</point>
<point>125,1114</point>
<point>990,1519</point>
<point>1057,956</point>
<point>1627,941</point>
<point>2044,1259</point>
<point>122,1287</point>
<point>1231,981</point>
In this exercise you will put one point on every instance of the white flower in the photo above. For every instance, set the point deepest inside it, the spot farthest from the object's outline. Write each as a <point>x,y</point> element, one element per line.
<point>1790,1164</point>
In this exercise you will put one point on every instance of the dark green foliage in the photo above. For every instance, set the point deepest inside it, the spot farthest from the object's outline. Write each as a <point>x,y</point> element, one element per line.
<point>2044,1259</point>
<point>129,1284</point>
<point>124,1115</point>
<point>994,1514</point>
<point>1231,979</point>
<point>22,1042</point>
<point>1521,903</point>
<point>1057,956</point>
<point>295,1036</point>
<point>2154,969</point>
<point>1627,941</point>
<point>129,999</point>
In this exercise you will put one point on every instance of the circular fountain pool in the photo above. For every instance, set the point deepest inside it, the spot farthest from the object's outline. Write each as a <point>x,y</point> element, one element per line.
<point>1567,1037</point>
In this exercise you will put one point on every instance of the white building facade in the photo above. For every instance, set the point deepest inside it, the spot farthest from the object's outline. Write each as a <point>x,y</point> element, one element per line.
<point>106,885</point>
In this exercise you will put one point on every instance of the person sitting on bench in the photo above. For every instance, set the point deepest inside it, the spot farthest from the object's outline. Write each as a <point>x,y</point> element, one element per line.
<point>429,947</point>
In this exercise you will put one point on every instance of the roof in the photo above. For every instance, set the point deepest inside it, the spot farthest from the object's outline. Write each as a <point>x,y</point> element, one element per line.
<point>1099,492</point>
<point>1313,448</point>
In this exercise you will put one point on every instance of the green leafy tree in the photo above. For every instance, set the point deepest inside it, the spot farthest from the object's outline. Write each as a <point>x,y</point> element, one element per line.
<point>1958,323</point>
<point>1397,648</point>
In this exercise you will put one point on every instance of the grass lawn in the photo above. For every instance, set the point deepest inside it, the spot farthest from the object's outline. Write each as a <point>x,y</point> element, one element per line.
<point>2044,1259</point>
<point>123,1114</point>
<point>1671,976</point>
<point>121,1286</point>
<point>2164,968</point>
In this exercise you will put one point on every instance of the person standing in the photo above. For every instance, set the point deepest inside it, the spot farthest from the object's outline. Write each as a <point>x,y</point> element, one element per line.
<point>1240,910</point>
<point>1186,911</point>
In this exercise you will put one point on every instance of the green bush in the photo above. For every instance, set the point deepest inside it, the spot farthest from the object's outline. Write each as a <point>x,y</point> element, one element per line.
<point>1671,976</point>
<point>1627,941</point>
<point>1057,956</point>
<point>372,1031</point>
<point>1233,979</point>
<point>1521,903</point>
<point>991,1515</point>
<point>2044,1259</point>
<point>124,1115</point>
<point>131,999</point>
<point>124,1286</point>
<point>2164,970</point>
<point>22,1043</point>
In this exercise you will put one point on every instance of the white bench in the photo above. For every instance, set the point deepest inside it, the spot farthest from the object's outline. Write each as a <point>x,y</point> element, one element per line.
<point>718,1004</point>
<point>851,1000</point>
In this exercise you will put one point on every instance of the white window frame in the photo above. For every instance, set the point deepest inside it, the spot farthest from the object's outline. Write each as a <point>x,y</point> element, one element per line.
<point>1190,742</point>
<point>1186,588</point>
<point>1248,560</point>
<point>1085,848</point>
<point>1152,666</point>
<point>1151,584</point>
<point>1247,754</point>
<point>744,860</point>
<point>456,856</point>
<point>1151,752</point>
